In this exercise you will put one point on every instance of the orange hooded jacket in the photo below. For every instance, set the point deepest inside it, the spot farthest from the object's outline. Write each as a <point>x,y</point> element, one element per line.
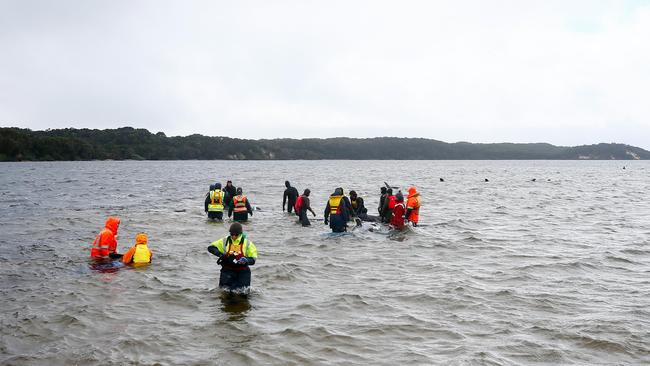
<point>413,204</point>
<point>105,243</point>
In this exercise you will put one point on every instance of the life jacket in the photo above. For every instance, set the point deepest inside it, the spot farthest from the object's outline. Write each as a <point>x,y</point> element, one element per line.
<point>142,254</point>
<point>335,203</point>
<point>391,202</point>
<point>239,203</point>
<point>413,204</point>
<point>237,251</point>
<point>100,249</point>
<point>298,205</point>
<point>216,201</point>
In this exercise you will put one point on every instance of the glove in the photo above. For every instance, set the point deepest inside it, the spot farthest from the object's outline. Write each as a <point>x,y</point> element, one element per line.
<point>326,222</point>
<point>242,261</point>
<point>225,259</point>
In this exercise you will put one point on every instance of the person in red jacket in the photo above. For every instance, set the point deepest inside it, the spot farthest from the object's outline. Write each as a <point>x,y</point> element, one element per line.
<point>105,244</point>
<point>397,220</point>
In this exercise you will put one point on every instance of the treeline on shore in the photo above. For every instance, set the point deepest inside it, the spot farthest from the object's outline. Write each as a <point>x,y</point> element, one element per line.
<point>124,143</point>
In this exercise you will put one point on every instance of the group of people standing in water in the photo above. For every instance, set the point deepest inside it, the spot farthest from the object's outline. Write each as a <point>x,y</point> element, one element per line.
<point>236,252</point>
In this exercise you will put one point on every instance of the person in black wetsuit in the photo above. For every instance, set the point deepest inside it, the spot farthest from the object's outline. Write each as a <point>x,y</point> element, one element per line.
<point>290,194</point>
<point>360,209</point>
<point>382,199</point>
<point>231,192</point>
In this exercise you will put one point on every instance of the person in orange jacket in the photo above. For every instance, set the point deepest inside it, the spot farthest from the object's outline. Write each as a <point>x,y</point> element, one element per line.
<point>139,253</point>
<point>413,206</point>
<point>105,244</point>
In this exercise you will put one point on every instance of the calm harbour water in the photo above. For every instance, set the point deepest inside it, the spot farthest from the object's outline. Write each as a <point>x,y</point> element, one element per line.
<point>505,272</point>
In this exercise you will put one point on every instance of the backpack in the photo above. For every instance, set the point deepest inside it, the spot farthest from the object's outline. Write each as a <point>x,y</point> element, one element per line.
<point>298,205</point>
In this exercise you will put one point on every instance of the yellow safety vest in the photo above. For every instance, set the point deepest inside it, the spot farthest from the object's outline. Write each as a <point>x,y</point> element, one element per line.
<point>335,202</point>
<point>142,254</point>
<point>216,201</point>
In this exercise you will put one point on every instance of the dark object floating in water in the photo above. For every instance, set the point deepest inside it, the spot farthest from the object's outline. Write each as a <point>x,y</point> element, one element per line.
<point>442,180</point>
<point>179,210</point>
<point>486,180</point>
<point>534,179</point>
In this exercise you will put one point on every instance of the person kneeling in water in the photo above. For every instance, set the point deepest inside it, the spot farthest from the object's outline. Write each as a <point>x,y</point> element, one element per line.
<point>105,244</point>
<point>139,253</point>
<point>236,253</point>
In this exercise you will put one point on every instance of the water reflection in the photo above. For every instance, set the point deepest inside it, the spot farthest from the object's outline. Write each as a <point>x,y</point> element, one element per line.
<point>235,304</point>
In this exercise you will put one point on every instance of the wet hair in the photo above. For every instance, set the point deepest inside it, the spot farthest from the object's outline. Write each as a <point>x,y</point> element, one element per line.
<point>338,192</point>
<point>399,197</point>
<point>382,190</point>
<point>239,190</point>
<point>353,193</point>
<point>389,191</point>
<point>212,187</point>
<point>217,186</point>
<point>236,229</point>
<point>229,182</point>
<point>287,184</point>
<point>307,192</point>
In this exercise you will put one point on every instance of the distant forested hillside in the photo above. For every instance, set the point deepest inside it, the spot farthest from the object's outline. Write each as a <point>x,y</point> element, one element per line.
<point>128,143</point>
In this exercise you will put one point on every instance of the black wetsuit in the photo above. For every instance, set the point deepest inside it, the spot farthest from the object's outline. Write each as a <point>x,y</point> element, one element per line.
<point>231,192</point>
<point>291,193</point>
<point>304,207</point>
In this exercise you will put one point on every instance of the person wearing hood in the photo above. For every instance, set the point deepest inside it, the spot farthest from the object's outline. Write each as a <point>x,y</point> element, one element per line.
<point>240,206</point>
<point>139,253</point>
<point>413,206</point>
<point>397,221</point>
<point>389,204</point>
<point>105,244</point>
<point>236,253</point>
<point>382,200</point>
<point>291,193</point>
<point>230,191</point>
<point>338,211</point>
<point>360,209</point>
<point>214,202</point>
<point>302,206</point>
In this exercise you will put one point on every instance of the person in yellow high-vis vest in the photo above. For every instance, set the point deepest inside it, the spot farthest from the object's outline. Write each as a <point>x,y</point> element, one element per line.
<point>139,253</point>
<point>338,211</point>
<point>214,202</point>
<point>236,253</point>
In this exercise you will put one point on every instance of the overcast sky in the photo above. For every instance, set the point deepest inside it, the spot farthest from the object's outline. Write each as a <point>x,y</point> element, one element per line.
<point>565,72</point>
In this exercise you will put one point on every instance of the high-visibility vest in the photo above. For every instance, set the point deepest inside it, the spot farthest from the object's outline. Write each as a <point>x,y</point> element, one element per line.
<point>227,246</point>
<point>239,203</point>
<point>142,254</point>
<point>413,203</point>
<point>216,201</point>
<point>335,202</point>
